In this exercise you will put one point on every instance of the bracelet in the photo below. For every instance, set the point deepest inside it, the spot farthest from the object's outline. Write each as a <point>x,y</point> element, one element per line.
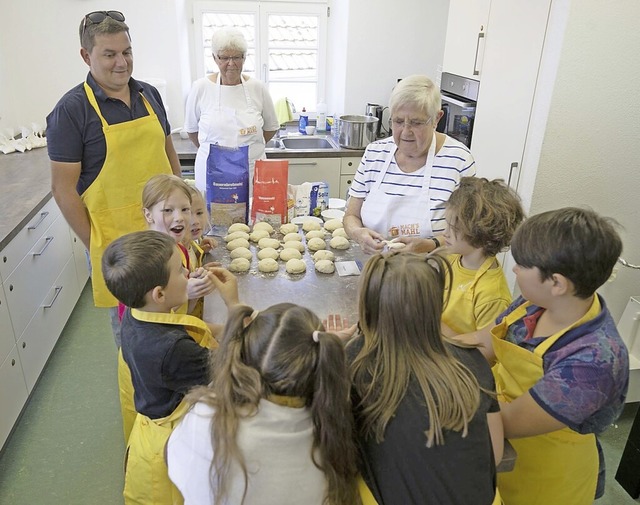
<point>436,242</point>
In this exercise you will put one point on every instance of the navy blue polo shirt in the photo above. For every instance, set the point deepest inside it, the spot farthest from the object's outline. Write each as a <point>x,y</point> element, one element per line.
<point>74,131</point>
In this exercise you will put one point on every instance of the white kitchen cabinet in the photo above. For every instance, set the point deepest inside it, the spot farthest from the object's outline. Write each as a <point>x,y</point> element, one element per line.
<point>80,258</point>
<point>348,168</point>
<point>511,63</point>
<point>314,170</point>
<point>13,393</point>
<point>7,339</point>
<point>465,40</point>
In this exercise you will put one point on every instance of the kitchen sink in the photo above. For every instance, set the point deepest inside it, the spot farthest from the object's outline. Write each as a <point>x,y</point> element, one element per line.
<point>274,144</point>
<point>313,143</point>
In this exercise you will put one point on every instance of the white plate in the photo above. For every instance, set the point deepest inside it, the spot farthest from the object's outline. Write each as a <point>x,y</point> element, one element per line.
<point>301,219</point>
<point>332,214</point>
<point>337,203</point>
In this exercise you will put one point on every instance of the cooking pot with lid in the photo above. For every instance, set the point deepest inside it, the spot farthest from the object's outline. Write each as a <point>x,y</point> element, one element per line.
<point>356,132</point>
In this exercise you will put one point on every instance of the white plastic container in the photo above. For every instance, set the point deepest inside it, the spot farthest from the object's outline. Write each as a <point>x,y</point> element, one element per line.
<point>321,118</point>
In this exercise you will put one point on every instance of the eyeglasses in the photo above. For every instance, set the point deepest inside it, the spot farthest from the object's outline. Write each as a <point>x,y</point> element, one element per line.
<point>411,123</point>
<point>97,17</point>
<point>227,59</point>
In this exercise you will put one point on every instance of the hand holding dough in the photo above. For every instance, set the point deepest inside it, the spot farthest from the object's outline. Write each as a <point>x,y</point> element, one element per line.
<point>288,228</point>
<point>323,255</point>
<point>295,266</point>
<point>315,244</point>
<point>239,227</point>
<point>294,244</point>
<point>289,254</point>
<point>236,234</point>
<point>268,252</point>
<point>339,243</point>
<point>333,224</point>
<point>268,265</point>
<point>239,265</point>
<point>256,235</point>
<point>268,242</point>
<point>325,266</point>
<point>292,236</point>
<point>239,242</point>
<point>241,252</point>
<point>263,226</point>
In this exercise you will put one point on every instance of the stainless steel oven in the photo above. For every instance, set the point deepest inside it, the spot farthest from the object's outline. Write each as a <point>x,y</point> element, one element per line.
<point>459,98</point>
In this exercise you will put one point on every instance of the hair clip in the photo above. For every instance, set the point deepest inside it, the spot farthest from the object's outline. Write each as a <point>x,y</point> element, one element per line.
<point>249,319</point>
<point>316,336</point>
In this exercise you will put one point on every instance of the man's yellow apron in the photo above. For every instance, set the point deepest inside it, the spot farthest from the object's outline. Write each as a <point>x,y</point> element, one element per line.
<point>195,327</point>
<point>557,468</point>
<point>135,153</point>
<point>146,478</point>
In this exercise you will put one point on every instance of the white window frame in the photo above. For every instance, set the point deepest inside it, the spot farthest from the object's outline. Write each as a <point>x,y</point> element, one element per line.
<point>261,9</point>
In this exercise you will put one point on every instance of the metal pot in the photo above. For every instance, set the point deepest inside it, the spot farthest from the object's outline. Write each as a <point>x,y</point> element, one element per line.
<point>356,132</point>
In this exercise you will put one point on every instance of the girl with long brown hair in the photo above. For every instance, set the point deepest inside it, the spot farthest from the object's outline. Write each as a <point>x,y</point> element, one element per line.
<point>275,425</point>
<point>428,424</point>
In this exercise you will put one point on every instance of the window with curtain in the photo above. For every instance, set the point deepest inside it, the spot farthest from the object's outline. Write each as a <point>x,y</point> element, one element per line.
<point>287,44</point>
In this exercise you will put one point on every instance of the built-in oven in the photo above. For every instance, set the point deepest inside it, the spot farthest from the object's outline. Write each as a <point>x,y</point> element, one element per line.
<point>459,99</point>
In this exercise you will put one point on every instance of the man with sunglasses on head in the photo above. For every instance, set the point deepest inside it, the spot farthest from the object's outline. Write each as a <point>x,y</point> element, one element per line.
<point>106,137</point>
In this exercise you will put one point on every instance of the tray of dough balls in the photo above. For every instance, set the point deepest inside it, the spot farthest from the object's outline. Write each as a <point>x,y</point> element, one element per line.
<point>293,248</point>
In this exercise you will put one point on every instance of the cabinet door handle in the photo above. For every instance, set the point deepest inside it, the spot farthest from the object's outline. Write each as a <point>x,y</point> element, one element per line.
<point>305,163</point>
<point>476,70</point>
<point>58,290</point>
<point>43,216</point>
<point>514,176</point>
<point>47,241</point>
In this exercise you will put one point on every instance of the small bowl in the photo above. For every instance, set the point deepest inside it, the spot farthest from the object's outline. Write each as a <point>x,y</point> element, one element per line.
<point>337,203</point>
<point>332,214</point>
<point>310,130</point>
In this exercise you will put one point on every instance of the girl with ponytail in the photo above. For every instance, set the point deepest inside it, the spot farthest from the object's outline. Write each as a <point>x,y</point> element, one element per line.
<point>275,425</point>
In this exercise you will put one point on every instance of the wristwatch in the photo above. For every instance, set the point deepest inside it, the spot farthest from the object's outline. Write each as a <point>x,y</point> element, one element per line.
<point>436,242</point>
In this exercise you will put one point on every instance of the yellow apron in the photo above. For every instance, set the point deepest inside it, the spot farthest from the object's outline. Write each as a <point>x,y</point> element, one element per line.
<point>560,467</point>
<point>197,253</point>
<point>195,327</point>
<point>135,153</point>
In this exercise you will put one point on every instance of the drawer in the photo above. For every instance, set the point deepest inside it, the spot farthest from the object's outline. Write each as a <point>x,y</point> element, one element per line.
<point>23,242</point>
<point>41,335</point>
<point>13,393</point>
<point>345,184</point>
<point>7,340</point>
<point>316,169</point>
<point>80,258</point>
<point>348,166</point>
<point>27,287</point>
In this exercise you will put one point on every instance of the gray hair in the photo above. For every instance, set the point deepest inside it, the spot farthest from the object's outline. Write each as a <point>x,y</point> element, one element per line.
<point>228,38</point>
<point>108,26</point>
<point>418,91</point>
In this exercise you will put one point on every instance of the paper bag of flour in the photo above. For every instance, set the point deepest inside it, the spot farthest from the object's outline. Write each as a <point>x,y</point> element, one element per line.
<point>228,185</point>
<point>270,192</point>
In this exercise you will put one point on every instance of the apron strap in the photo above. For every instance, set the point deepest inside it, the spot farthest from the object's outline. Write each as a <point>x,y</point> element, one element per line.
<point>193,323</point>
<point>94,103</point>
<point>486,265</point>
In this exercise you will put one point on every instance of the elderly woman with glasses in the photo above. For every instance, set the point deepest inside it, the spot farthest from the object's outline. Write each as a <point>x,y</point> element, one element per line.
<point>229,108</point>
<point>403,182</point>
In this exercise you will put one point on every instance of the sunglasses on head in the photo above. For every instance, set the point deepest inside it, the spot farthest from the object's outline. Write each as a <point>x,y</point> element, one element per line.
<point>97,17</point>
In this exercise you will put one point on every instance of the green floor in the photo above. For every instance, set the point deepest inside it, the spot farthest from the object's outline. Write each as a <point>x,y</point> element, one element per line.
<point>67,448</point>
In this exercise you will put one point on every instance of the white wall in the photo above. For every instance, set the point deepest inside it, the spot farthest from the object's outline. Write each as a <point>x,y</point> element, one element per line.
<point>591,148</point>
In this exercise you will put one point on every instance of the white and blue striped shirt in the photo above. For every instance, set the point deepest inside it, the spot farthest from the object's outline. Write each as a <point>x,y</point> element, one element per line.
<point>450,164</point>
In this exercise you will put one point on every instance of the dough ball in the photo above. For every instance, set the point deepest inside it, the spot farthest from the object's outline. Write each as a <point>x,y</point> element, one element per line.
<point>294,244</point>
<point>310,224</point>
<point>268,242</point>
<point>238,242</point>
<point>339,243</point>
<point>268,252</point>
<point>241,252</point>
<point>395,245</point>
<point>292,236</point>
<point>340,232</point>
<point>325,266</point>
<point>314,234</point>
<point>323,255</point>
<point>289,254</point>
<point>239,227</point>
<point>315,244</point>
<point>239,265</point>
<point>288,228</point>
<point>236,234</point>
<point>256,235</point>
<point>268,265</point>
<point>333,224</point>
<point>263,226</point>
<point>295,266</point>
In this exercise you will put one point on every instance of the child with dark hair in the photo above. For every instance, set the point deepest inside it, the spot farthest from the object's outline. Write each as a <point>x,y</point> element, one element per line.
<point>481,218</point>
<point>166,351</point>
<point>275,425</point>
<point>562,369</point>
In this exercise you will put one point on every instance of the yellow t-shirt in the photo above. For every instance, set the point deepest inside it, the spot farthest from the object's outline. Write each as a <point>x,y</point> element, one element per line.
<point>475,303</point>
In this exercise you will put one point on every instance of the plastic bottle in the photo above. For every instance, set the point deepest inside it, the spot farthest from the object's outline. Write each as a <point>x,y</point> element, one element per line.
<point>303,121</point>
<point>321,121</point>
<point>335,128</point>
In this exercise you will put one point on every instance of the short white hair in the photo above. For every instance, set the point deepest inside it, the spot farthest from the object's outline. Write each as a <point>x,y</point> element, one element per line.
<point>228,39</point>
<point>418,91</point>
